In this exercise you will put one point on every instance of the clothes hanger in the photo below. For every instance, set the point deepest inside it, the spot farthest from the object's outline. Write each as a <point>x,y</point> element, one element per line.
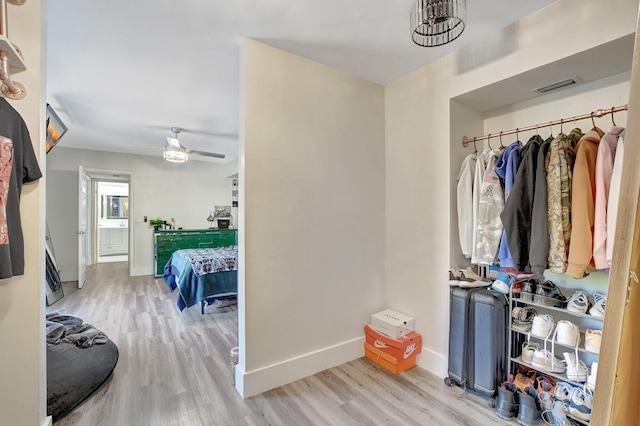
<point>561,123</point>
<point>501,146</point>
<point>612,120</point>
<point>517,134</point>
<point>593,121</point>
<point>475,148</point>
<point>489,141</point>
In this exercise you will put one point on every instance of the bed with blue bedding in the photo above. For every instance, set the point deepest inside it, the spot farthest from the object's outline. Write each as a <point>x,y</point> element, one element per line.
<point>202,275</point>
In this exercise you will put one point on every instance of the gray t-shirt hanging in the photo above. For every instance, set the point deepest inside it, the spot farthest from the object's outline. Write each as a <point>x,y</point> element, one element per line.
<point>18,165</point>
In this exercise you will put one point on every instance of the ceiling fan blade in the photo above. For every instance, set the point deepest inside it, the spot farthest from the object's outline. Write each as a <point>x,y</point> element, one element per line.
<point>173,142</point>
<point>205,153</point>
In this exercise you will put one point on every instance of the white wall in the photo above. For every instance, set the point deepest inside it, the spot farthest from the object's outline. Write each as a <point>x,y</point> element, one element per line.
<point>22,361</point>
<point>158,188</point>
<point>419,133</point>
<point>312,190</point>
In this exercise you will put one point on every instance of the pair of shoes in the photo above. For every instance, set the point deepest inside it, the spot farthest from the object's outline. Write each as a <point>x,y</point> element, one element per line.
<point>468,279</point>
<point>544,360</point>
<point>578,302</point>
<point>599,305</point>
<point>592,340</point>
<point>591,380</point>
<point>522,318</point>
<point>525,377</point>
<point>567,333</point>
<point>529,409</point>
<point>542,326</point>
<point>577,370</point>
<point>548,294</point>
<point>563,393</point>
<point>528,289</point>
<point>528,349</point>
<point>581,404</point>
<point>507,403</point>
<point>556,415</point>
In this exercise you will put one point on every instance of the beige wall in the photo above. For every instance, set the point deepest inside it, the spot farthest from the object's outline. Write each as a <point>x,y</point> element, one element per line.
<point>313,199</point>
<point>419,132</point>
<point>23,376</point>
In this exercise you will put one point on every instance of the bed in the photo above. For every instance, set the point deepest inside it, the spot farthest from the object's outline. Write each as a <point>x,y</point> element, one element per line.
<point>202,275</point>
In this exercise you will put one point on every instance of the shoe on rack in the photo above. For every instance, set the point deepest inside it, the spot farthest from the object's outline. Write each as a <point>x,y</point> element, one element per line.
<point>599,305</point>
<point>529,411</point>
<point>528,289</point>
<point>563,393</point>
<point>528,349</point>
<point>579,302</point>
<point>503,282</point>
<point>545,360</point>
<point>525,377</point>
<point>454,277</point>
<point>542,326</point>
<point>545,383</point>
<point>507,403</point>
<point>581,403</point>
<point>494,271</point>
<point>548,294</point>
<point>556,416</point>
<point>592,340</point>
<point>577,370</point>
<point>591,380</point>
<point>522,318</point>
<point>567,333</point>
<point>468,279</point>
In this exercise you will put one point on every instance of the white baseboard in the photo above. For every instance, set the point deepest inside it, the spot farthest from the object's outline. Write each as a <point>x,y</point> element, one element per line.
<point>434,362</point>
<point>48,421</point>
<point>263,379</point>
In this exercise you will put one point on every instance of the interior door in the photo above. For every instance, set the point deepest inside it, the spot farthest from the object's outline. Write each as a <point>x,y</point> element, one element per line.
<point>82,226</point>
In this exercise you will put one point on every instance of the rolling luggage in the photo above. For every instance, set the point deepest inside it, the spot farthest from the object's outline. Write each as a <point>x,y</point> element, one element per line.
<point>478,340</point>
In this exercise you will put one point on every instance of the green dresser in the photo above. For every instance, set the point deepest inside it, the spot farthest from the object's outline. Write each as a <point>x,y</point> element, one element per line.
<point>165,242</point>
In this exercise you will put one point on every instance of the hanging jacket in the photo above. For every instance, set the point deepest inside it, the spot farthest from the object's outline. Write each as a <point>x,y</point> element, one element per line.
<point>614,197</point>
<point>583,195</point>
<point>507,168</point>
<point>559,175</point>
<point>465,204</point>
<point>539,245</point>
<point>518,207</point>
<point>489,225</point>
<point>604,170</point>
<point>478,176</point>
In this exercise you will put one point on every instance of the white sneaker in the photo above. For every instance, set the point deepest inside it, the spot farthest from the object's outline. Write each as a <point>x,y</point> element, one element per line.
<point>592,340</point>
<point>577,370</point>
<point>454,277</point>
<point>542,326</point>
<point>591,380</point>
<point>579,302</point>
<point>545,361</point>
<point>581,403</point>
<point>563,393</point>
<point>567,333</point>
<point>599,305</point>
<point>528,349</point>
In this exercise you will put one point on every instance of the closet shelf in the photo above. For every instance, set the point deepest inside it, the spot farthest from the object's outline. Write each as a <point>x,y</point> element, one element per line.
<point>552,308</point>
<point>561,377</point>
<point>560,345</point>
<point>16,63</point>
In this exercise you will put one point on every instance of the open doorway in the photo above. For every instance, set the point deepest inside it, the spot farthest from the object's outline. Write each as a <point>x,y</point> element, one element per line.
<point>112,221</point>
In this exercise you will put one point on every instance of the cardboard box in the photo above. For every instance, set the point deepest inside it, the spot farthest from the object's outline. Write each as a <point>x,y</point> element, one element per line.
<point>401,348</point>
<point>392,323</point>
<point>387,361</point>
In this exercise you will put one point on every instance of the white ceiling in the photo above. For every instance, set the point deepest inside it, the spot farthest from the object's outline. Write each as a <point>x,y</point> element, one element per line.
<point>120,74</point>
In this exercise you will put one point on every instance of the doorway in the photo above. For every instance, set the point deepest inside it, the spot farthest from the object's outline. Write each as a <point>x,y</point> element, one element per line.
<point>112,221</point>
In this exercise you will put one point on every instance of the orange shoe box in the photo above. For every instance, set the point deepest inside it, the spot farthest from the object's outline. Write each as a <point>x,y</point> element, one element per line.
<point>387,361</point>
<point>401,348</point>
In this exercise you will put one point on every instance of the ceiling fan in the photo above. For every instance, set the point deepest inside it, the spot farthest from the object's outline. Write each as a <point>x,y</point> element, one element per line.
<point>177,153</point>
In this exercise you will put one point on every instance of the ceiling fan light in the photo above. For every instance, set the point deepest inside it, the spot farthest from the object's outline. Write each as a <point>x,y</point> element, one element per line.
<point>175,156</point>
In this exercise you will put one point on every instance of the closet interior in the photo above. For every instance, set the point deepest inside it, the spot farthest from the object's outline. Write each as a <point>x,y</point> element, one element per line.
<point>498,115</point>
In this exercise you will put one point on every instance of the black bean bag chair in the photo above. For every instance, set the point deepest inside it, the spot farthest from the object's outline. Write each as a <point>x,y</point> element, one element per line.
<point>74,373</point>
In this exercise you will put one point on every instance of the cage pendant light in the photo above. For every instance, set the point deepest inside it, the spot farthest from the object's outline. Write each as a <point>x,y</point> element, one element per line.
<point>437,22</point>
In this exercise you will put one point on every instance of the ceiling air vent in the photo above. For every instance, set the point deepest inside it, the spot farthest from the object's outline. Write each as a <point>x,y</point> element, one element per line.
<point>557,85</point>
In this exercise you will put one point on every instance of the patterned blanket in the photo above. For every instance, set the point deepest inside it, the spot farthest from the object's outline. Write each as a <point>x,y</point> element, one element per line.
<point>209,260</point>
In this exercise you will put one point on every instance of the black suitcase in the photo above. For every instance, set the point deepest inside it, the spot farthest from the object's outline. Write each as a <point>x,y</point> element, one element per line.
<point>478,339</point>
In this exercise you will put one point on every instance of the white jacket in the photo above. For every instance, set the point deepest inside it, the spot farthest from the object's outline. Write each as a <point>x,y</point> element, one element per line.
<point>465,204</point>
<point>488,224</point>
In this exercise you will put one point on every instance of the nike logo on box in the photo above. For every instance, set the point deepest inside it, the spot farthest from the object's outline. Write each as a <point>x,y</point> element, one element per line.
<point>410,349</point>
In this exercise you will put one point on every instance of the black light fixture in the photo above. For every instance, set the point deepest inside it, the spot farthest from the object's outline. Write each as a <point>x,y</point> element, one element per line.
<point>437,22</point>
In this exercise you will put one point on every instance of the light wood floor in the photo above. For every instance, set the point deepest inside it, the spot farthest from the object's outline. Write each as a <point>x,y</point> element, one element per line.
<point>174,369</point>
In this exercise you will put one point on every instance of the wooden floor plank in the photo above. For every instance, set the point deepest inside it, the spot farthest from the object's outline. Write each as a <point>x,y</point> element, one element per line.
<point>174,369</point>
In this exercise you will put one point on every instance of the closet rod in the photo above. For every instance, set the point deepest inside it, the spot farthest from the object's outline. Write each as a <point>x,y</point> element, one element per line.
<point>596,114</point>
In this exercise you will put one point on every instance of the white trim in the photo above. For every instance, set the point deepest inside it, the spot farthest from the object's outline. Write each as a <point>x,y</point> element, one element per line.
<point>48,421</point>
<point>433,362</point>
<point>263,379</point>
<point>138,271</point>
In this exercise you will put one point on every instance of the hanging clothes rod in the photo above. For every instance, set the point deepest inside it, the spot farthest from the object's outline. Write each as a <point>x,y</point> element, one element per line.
<point>595,114</point>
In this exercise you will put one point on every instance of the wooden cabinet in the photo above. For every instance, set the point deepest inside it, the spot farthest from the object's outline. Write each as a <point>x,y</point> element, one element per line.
<point>165,242</point>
